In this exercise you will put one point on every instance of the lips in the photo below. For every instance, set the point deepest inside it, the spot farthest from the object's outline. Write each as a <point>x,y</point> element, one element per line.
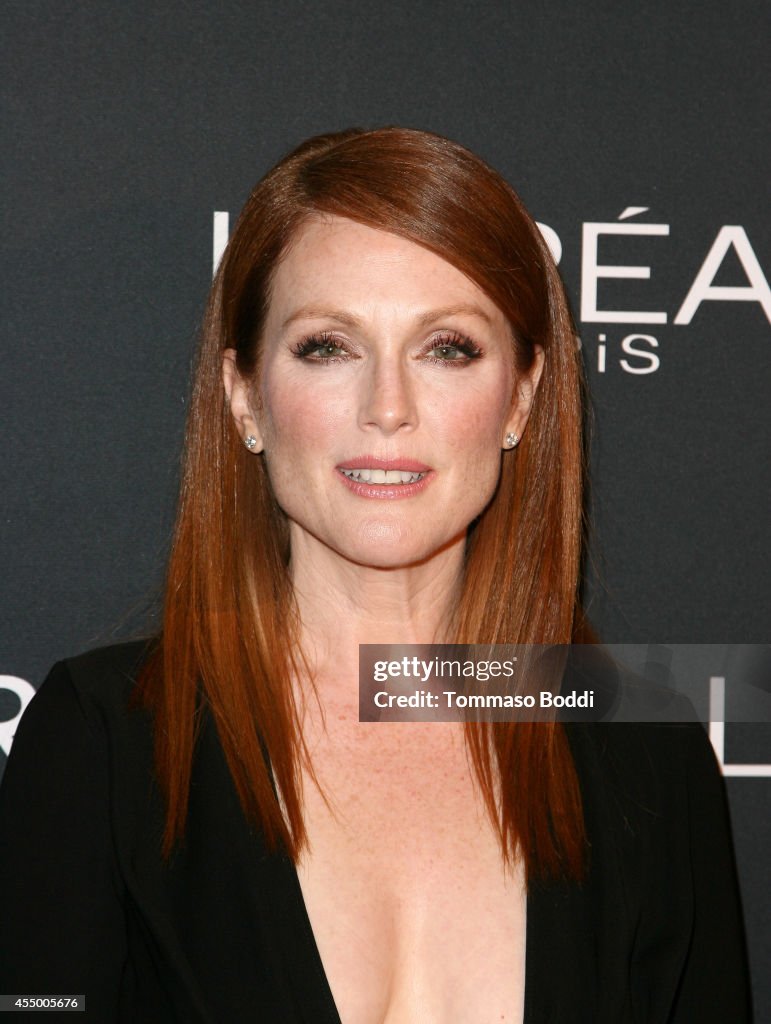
<point>373,462</point>
<point>370,476</point>
<point>369,469</point>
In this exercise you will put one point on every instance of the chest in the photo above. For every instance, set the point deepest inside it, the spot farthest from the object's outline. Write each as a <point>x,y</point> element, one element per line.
<point>414,915</point>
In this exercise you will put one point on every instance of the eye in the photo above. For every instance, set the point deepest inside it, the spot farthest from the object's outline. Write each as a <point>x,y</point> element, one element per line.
<point>453,348</point>
<point>320,348</point>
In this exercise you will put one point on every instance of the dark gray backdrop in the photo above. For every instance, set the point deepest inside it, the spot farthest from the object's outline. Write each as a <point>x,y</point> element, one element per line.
<point>128,125</point>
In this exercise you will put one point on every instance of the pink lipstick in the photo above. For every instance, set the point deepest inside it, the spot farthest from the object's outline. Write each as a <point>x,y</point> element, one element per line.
<point>370,476</point>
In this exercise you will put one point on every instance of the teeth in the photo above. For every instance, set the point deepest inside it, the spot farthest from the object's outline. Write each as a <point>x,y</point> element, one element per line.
<point>382,476</point>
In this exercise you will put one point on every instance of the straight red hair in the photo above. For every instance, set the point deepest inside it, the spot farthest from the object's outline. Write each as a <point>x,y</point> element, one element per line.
<point>230,626</point>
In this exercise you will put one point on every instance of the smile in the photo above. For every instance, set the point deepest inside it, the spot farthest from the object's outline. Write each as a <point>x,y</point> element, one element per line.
<point>382,476</point>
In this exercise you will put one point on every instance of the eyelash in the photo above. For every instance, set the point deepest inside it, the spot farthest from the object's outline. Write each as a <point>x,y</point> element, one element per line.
<point>450,339</point>
<point>453,339</point>
<point>305,348</point>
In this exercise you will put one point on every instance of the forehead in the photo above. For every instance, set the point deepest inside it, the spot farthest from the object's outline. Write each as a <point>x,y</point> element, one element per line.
<point>336,260</point>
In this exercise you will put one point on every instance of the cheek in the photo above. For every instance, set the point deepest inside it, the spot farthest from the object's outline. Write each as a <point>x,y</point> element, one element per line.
<point>473,426</point>
<point>298,418</point>
<point>473,422</point>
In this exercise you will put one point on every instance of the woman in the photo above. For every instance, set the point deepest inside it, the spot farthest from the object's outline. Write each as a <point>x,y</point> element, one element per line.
<point>384,446</point>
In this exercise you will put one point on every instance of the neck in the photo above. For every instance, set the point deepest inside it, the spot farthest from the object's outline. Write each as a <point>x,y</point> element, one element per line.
<point>342,604</point>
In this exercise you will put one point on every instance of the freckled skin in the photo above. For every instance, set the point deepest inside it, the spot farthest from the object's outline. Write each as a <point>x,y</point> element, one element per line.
<point>403,878</point>
<point>387,393</point>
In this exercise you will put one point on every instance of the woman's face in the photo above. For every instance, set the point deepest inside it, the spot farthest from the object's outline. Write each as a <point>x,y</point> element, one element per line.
<point>386,388</point>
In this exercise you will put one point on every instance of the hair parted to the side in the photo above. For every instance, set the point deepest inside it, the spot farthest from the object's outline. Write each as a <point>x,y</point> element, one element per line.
<point>230,623</point>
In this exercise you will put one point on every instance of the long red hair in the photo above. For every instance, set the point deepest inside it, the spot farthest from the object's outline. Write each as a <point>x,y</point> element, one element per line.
<point>230,623</point>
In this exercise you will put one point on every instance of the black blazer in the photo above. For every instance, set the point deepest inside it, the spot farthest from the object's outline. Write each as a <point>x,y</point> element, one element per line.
<point>222,934</point>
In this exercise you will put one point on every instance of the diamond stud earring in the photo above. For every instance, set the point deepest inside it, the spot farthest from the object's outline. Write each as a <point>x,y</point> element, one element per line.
<point>511,440</point>
<point>250,442</point>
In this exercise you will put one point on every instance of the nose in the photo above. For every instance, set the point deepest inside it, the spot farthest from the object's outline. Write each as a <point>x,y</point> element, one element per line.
<point>388,400</point>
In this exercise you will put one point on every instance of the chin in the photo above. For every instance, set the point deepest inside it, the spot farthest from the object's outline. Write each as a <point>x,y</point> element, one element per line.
<point>380,545</point>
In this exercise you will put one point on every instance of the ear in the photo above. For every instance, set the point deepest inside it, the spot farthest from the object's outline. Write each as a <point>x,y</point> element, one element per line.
<point>524,394</point>
<point>237,390</point>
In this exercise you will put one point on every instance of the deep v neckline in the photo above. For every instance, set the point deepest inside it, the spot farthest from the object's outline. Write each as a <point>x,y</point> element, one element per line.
<point>561,962</point>
<point>320,1007</point>
<point>306,949</point>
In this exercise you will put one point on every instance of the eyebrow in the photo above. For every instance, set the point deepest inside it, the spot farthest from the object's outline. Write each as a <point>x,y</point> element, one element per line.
<point>349,320</point>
